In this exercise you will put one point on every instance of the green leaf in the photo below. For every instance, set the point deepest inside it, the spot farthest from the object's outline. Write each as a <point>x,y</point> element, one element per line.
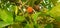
<point>6,16</point>
<point>36,26</point>
<point>54,1</point>
<point>35,16</point>
<point>20,18</point>
<point>11,8</point>
<point>3,24</point>
<point>31,2</point>
<point>49,26</point>
<point>17,25</point>
<point>29,26</point>
<point>24,0</point>
<point>47,4</point>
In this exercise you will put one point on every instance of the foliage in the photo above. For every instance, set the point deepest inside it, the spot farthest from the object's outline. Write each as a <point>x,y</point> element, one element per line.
<point>16,13</point>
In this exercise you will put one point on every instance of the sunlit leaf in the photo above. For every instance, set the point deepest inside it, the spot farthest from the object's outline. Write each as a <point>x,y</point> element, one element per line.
<point>16,10</point>
<point>6,16</point>
<point>55,12</point>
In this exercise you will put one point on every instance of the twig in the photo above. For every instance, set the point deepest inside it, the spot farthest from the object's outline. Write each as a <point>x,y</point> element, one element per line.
<point>22,6</point>
<point>22,3</point>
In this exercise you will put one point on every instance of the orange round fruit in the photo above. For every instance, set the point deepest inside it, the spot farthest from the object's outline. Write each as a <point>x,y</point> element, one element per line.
<point>29,9</point>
